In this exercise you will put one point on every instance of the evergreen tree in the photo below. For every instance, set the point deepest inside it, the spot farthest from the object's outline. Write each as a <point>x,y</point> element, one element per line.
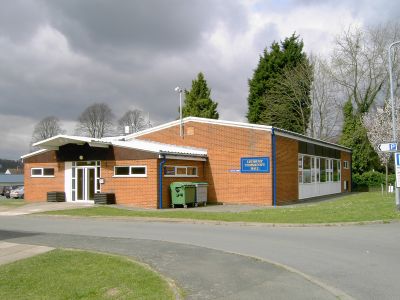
<point>354,136</point>
<point>267,79</point>
<point>198,102</point>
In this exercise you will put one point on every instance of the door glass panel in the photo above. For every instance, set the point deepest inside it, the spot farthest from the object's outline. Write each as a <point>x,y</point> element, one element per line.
<point>80,184</point>
<point>90,183</point>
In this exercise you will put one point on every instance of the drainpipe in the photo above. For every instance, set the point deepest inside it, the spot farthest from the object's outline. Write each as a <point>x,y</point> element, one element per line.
<point>160,181</point>
<point>273,166</point>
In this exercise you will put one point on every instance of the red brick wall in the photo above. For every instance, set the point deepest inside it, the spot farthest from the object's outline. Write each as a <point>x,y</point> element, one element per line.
<point>136,191</point>
<point>226,145</point>
<point>287,170</point>
<point>36,188</point>
<point>346,173</point>
<point>168,180</point>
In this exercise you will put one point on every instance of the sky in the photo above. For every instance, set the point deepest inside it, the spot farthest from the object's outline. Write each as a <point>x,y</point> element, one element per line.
<point>57,57</point>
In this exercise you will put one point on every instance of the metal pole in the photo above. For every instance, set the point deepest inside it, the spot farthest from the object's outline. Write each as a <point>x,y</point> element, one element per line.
<point>180,111</point>
<point>394,125</point>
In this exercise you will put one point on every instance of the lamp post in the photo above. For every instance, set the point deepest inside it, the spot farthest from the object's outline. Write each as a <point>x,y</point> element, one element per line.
<point>394,124</point>
<point>179,90</point>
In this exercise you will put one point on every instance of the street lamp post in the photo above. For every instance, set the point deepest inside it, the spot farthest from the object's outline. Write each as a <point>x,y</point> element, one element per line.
<point>179,90</point>
<point>394,124</point>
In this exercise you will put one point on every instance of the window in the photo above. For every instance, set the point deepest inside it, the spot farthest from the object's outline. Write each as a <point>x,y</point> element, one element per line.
<point>130,171</point>
<point>42,172</point>
<point>300,163</point>
<point>306,169</point>
<point>180,171</point>
<point>345,164</point>
<point>322,169</point>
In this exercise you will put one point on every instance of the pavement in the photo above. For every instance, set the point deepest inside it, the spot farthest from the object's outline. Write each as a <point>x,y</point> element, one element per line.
<point>30,208</point>
<point>10,252</point>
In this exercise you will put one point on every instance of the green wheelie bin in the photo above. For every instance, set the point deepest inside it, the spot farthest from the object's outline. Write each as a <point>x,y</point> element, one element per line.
<point>182,193</point>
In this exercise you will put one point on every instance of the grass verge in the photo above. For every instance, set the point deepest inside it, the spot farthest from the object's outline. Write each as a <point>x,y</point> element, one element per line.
<point>11,202</point>
<point>359,207</point>
<point>70,274</point>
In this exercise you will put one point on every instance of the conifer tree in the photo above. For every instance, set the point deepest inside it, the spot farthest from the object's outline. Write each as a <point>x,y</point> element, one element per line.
<point>272,70</point>
<point>198,102</point>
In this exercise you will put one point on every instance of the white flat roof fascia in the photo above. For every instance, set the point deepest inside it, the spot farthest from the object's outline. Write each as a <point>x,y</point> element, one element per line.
<point>181,157</point>
<point>34,153</point>
<point>299,137</point>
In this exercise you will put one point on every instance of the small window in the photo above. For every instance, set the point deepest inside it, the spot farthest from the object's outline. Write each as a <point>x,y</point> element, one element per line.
<point>121,171</point>
<point>130,171</point>
<point>138,170</point>
<point>191,171</point>
<point>42,172</point>
<point>48,172</point>
<point>180,171</point>
<point>169,171</point>
<point>345,164</point>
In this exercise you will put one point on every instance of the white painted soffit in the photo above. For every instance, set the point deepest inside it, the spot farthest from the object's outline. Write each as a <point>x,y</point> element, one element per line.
<point>160,148</point>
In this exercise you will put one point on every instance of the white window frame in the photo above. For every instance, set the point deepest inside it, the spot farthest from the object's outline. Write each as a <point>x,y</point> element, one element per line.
<point>315,172</point>
<point>130,171</point>
<point>42,172</point>
<point>345,164</point>
<point>182,175</point>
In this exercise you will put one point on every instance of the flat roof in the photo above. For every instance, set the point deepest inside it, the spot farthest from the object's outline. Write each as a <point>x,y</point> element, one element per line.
<point>55,142</point>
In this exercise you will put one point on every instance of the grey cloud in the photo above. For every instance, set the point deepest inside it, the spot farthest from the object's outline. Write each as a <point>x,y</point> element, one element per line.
<point>19,19</point>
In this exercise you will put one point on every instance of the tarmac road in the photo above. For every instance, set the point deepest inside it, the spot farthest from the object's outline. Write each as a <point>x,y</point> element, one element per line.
<point>363,261</point>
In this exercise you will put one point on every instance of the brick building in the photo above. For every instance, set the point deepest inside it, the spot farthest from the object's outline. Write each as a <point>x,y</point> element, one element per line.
<point>242,163</point>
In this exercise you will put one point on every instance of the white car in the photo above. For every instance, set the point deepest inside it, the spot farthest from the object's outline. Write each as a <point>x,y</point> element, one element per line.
<point>17,193</point>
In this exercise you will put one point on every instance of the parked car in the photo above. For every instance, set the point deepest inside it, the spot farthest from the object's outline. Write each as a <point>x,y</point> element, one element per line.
<point>3,190</point>
<point>17,193</point>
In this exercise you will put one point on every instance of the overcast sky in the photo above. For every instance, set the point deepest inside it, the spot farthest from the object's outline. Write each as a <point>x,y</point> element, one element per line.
<point>59,56</point>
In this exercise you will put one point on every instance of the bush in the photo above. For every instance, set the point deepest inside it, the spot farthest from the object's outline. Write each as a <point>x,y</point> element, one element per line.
<point>372,179</point>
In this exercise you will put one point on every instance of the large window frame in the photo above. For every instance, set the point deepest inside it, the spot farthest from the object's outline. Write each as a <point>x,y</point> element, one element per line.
<point>180,171</point>
<point>316,169</point>
<point>130,171</point>
<point>42,172</point>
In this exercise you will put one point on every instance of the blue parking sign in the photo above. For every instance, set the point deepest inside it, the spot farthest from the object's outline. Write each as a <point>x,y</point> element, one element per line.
<point>398,159</point>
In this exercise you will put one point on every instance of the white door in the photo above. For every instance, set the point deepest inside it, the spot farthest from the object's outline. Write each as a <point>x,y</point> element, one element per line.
<point>85,183</point>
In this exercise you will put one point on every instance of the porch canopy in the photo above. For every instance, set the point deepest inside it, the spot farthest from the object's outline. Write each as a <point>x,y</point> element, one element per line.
<point>163,150</point>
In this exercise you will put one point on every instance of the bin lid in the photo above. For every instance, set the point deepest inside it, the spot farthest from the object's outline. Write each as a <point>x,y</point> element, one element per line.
<point>182,184</point>
<point>200,183</point>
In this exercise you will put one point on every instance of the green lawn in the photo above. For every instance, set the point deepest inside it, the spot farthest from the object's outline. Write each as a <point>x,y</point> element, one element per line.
<point>11,202</point>
<point>63,274</point>
<point>351,208</point>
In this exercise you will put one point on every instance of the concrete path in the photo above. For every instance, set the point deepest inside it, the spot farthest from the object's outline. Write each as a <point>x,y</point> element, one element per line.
<point>39,207</point>
<point>203,273</point>
<point>10,252</point>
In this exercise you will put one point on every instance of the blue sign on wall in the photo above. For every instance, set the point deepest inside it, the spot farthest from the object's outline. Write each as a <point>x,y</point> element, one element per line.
<point>254,165</point>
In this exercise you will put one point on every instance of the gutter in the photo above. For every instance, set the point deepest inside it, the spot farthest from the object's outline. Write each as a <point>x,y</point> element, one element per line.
<point>160,181</point>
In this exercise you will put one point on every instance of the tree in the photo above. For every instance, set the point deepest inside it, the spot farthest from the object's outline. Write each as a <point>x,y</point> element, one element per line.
<point>134,119</point>
<point>379,131</point>
<point>354,136</point>
<point>198,102</point>
<point>96,121</point>
<point>46,128</point>
<point>359,64</point>
<point>326,109</point>
<point>359,67</point>
<point>288,103</point>
<point>266,86</point>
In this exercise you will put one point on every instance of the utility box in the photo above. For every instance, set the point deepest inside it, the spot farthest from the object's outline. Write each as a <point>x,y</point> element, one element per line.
<point>201,193</point>
<point>183,193</point>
